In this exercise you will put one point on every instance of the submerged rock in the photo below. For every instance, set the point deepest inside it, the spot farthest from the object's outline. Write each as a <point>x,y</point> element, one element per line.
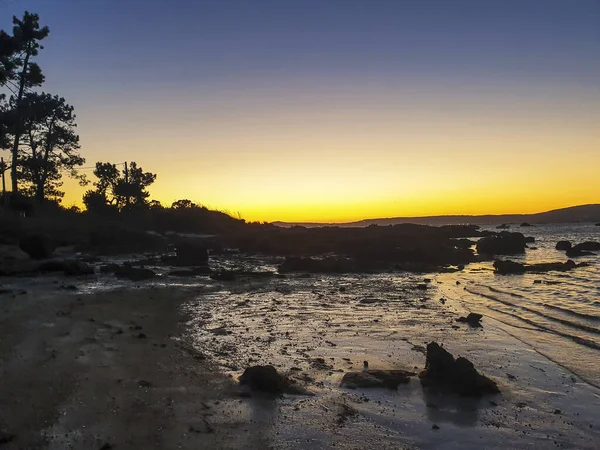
<point>508,267</point>
<point>37,246</point>
<point>525,224</point>
<point>563,245</point>
<point>455,375</point>
<point>376,379</point>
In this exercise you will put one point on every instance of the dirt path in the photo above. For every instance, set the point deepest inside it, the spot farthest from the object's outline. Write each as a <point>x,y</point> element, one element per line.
<point>105,370</point>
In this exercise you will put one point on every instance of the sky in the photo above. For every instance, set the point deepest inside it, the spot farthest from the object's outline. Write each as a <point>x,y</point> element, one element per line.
<point>335,110</point>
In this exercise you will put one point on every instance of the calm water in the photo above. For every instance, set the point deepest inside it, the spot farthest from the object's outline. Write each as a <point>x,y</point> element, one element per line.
<point>557,313</point>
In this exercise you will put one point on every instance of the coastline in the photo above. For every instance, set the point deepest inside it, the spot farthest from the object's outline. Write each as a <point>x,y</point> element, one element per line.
<point>92,381</point>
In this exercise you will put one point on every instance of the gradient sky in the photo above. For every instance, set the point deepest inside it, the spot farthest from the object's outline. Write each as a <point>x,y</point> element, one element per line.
<point>335,110</point>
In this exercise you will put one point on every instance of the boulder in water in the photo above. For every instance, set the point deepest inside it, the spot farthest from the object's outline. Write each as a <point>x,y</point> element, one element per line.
<point>504,243</point>
<point>563,245</point>
<point>588,246</point>
<point>508,267</point>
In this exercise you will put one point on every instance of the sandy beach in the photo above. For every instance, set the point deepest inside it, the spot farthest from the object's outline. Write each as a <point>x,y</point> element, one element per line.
<point>155,365</point>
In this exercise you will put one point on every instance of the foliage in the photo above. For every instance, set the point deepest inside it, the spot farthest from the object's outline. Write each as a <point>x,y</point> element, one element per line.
<point>20,74</point>
<point>50,146</point>
<point>117,189</point>
<point>183,204</point>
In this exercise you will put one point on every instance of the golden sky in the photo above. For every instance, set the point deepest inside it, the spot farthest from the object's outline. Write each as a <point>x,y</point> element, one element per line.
<point>339,110</point>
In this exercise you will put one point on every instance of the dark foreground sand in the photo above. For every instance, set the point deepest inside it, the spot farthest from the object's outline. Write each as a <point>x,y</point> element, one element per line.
<point>105,370</point>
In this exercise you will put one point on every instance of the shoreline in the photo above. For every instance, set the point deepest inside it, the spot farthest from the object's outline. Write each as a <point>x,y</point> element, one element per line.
<point>89,384</point>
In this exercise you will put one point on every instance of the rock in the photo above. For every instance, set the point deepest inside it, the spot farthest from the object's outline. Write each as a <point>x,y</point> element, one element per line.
<point>576,251</point>
<point>109,268</point>
<point>525,224</point>
<point>37,246</point>
<point>507,267</point>
<point>563,245</point>
<point>454,375</point>
<point>529,239</point>
<point>376,379</point>
<point>598,224</point>
<point>223,275</point>
<point>191,253</point>
<point>133,273</point>
<point>68,267</point>
<point>265,379</point>
<point>588,246</point>
<point>504,243</point>
<point>473,319</point>
<point>503,227</point>
<point>435,427</point>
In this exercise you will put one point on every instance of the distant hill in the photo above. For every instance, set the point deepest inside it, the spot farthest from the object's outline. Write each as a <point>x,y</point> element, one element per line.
<point>574,214</point>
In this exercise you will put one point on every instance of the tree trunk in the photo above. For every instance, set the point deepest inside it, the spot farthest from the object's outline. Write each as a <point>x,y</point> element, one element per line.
<point>15,148</point>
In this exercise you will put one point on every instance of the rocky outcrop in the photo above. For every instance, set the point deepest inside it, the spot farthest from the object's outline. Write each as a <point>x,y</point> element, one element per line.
<point>390,379</point>
<point>508,267</point>
<point>454,375</point>
<point>37,246</point>
<point>504,243</point>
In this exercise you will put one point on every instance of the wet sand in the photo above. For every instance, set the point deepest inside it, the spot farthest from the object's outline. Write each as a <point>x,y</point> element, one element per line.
<point>154,366</point>
<point>105,370</point>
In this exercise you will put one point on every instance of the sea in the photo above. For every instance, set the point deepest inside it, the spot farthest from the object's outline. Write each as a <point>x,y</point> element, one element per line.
<point>558,313</point>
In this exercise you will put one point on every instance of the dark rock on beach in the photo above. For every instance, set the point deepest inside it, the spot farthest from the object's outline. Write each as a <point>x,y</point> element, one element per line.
<point>525,224</point>
<point>473,319</point>
<point>37,246</point>
<point>267,379</point>
<point>588,246</point>
<point>68,267</point>
<point>134,273</point>
<point>454,375</point>
<point>563,245</point>
<point>376,379</point>
<point>504,243</point>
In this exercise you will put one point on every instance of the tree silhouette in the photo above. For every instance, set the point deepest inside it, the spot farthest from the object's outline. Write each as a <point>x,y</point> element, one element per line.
<point>117,189</point>
<point>183,204</point>
<point>19,73</point>
<point>50,145</point>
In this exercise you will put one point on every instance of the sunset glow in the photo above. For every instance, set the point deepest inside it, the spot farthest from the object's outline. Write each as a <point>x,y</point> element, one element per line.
<point>335,113</point>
